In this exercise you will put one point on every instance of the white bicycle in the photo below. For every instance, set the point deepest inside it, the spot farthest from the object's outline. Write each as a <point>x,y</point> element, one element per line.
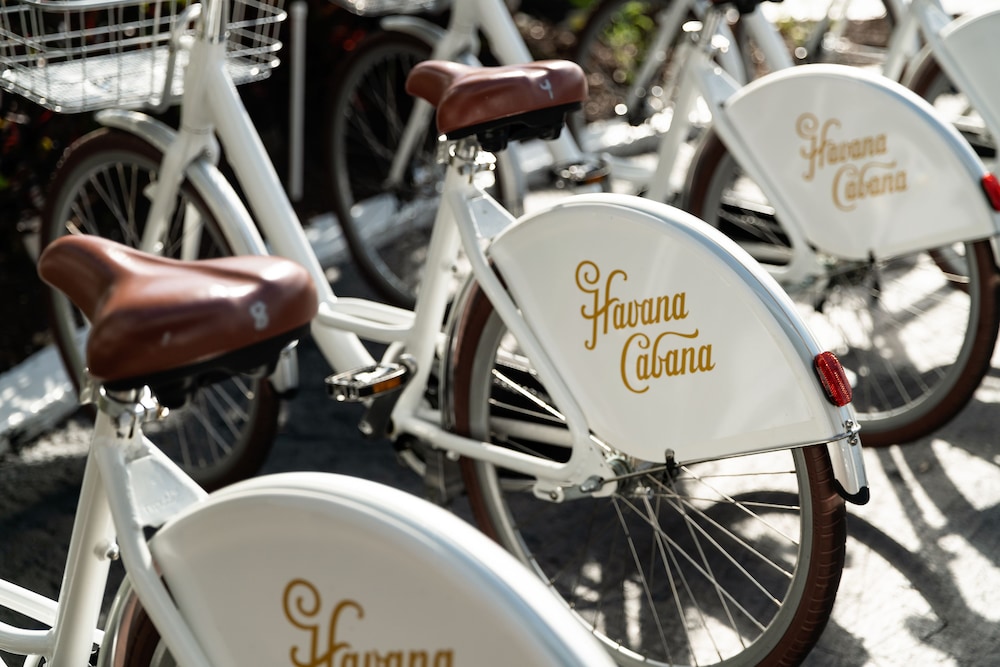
<point>381,143</point>
<point>638,412</point>
<point>259,573</point>
<point>915,349</point>
<point>906,296</point>
<point>634,53</point>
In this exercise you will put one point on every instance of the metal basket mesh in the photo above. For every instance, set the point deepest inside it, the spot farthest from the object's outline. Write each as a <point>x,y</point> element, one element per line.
<point>82,55</point>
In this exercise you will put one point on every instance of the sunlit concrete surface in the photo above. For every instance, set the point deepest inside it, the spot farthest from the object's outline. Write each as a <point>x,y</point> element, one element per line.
<point>922,574</point>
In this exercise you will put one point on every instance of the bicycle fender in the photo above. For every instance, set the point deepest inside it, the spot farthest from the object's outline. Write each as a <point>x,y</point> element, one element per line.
<point>863,165</point>
<point>672,337</point>
<point>849,470</point>
<point>331,569</point>
<point>217,193</point>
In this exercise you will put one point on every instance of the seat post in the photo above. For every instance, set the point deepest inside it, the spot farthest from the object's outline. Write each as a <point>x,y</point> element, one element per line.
<point>92,548</point>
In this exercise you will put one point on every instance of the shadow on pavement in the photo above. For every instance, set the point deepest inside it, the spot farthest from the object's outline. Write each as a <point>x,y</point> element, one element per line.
<point>922,571</point>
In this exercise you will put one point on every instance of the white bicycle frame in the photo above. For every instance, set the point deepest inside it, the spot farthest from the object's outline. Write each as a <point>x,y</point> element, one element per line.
<point>109,519</point>
<point>209,96</point>
<point>460,41</point>
<point>465,218</point>
<point>129,484</point>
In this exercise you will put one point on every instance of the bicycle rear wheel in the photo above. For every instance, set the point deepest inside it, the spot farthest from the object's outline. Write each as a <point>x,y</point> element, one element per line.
<point>729,562</point>
<point>915,332</point>
<point>387,222</point>
<point>102,187</point>
<point>932,84</point>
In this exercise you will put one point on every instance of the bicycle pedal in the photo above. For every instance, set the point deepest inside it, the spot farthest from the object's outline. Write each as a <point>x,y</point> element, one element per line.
<point>357,385</point>
<point>591,173</point>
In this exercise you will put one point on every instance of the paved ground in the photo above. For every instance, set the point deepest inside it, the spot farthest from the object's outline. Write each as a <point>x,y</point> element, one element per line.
<point>923,563</point>
<point>923,567</point>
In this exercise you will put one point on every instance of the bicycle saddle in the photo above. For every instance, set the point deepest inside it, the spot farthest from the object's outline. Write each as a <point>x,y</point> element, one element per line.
<point>175,325</point>
<point>499,104</point>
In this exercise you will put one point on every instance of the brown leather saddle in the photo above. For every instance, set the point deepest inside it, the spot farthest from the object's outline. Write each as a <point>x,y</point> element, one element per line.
<point>499,104</point>
<point>175,325</point>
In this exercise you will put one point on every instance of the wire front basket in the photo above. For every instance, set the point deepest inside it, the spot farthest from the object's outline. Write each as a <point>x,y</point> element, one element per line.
<point>82,55</point>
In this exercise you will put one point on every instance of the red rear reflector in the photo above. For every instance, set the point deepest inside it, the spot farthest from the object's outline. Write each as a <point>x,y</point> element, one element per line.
<point>833,378</point>
<point>991,186</point>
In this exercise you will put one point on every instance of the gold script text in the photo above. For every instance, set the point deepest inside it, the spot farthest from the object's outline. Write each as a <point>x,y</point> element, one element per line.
<point>859,175</point>
<point>646,355</point>
<point>327,646</point>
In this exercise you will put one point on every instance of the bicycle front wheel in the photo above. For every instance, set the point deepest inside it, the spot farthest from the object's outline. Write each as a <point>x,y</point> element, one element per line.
<point>861,37</point>
<point>630,83</point>
<point>914,332</point>
<point>729,562</point>
<point>103,187</point>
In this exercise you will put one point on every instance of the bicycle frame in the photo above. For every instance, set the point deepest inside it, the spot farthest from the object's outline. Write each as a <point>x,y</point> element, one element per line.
<point>460,42</point>
<point>916,17</point>
<point>904,42</point>
<point>343,323</point>
<point>111,514</point>
<point>129,485</point>
<point>665,183</point>
<point>466,218</point>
